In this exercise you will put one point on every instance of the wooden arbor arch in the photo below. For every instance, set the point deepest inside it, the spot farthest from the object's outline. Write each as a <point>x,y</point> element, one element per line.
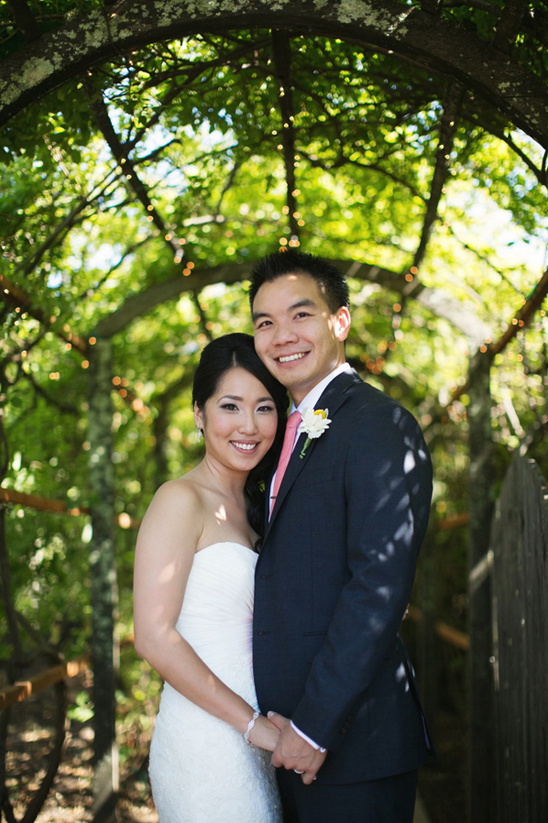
<point>488,65</point>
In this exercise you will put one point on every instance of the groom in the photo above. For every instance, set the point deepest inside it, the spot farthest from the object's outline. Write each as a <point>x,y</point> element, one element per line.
<point>337,563</point>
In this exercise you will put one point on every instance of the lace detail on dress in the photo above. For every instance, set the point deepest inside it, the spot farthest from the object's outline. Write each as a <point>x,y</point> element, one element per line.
<point>201,769</point>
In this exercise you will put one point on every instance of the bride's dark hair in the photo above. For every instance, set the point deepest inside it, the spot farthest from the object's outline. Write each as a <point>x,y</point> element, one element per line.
<point>217,358</point>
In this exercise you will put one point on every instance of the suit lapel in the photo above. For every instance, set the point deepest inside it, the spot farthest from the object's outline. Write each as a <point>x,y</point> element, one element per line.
<point>332,399</point>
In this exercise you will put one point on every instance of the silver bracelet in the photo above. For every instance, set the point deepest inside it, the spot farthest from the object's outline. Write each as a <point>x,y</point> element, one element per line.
<point>250,726</point>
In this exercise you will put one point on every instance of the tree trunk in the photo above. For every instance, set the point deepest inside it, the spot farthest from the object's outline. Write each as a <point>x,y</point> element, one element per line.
<point>104,652</point>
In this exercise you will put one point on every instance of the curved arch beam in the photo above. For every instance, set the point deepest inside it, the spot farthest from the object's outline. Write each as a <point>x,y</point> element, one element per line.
<point>462,317</point>
<point>409,32</point>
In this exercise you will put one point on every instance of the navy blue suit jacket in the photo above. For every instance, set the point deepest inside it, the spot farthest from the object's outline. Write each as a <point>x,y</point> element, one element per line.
<point>333,579</point>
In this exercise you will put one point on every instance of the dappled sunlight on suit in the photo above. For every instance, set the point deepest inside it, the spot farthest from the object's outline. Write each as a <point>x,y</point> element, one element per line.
<point>333,580</point>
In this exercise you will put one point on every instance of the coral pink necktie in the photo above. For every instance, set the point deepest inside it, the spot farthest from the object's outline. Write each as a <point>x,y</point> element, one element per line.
<point>289,440</point>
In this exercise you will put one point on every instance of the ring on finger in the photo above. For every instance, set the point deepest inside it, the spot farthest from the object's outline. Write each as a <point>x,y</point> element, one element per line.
<point>297,771</point>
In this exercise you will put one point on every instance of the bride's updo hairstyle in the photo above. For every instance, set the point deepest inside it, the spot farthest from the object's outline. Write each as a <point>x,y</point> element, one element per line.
<point>218,357</point>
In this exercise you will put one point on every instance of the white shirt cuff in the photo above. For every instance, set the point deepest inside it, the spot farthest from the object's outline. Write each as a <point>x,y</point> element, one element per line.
<point>308,740</point>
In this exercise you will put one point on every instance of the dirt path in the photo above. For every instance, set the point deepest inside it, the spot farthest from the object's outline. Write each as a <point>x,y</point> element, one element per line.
<point>70,799</point>
<point>441,785</point>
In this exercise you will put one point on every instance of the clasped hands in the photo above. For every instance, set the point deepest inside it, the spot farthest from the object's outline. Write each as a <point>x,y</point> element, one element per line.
<point>293,752</point>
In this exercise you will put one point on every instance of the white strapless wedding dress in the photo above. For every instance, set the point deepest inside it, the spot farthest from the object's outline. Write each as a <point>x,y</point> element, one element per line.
<point>201,769</point>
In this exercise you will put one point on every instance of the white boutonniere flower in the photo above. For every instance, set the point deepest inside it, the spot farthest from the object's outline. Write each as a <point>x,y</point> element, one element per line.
<point>313,424</point>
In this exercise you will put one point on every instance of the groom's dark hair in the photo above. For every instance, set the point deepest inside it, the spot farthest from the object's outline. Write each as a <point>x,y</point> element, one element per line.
<point>331,282</point>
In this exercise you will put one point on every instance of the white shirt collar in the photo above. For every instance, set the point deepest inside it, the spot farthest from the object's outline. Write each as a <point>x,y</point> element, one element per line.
<point>315,393</point>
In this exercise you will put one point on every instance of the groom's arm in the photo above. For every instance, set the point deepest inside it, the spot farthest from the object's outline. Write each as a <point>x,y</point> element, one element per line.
<point>388,483</point>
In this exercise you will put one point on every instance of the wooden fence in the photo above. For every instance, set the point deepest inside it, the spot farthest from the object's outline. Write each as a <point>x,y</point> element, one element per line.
<point>517,569</point>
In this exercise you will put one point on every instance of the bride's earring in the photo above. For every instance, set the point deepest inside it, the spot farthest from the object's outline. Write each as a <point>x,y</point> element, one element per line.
<point>200,435</point>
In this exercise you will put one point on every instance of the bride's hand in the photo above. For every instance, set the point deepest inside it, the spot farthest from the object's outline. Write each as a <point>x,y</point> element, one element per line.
<point>264,734</point>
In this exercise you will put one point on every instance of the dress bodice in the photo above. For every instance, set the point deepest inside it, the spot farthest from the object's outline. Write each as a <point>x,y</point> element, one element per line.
<point>217,611</point>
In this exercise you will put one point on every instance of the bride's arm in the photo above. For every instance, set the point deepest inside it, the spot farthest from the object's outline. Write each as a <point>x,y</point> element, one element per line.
<point>164,554</point>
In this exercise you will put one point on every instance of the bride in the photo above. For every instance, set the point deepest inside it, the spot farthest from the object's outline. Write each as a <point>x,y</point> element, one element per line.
<point>193,600</point>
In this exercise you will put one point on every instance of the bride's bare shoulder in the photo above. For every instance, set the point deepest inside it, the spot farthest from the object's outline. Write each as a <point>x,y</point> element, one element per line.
<point>179,497</point>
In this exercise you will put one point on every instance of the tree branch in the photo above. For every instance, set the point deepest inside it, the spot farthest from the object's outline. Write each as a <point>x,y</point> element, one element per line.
<point>510,23</point>
<point>24,19</point>
<point>67,223</point>
<point>281,51</point>
<point>448,128</point>
<point>18,298</point>
<point>520,320</point>
<point>64,408</point>
<point>120,153</point>
<point>204,322</point>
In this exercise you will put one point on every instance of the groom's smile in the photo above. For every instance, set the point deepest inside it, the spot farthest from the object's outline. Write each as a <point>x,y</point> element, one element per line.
<point>289,358</point>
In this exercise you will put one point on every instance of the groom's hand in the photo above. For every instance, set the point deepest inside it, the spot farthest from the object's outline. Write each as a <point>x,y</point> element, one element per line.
<point>293,752</point>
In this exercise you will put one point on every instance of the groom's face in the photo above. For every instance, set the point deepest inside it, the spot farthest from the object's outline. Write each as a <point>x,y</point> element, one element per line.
<point>297,336</point>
